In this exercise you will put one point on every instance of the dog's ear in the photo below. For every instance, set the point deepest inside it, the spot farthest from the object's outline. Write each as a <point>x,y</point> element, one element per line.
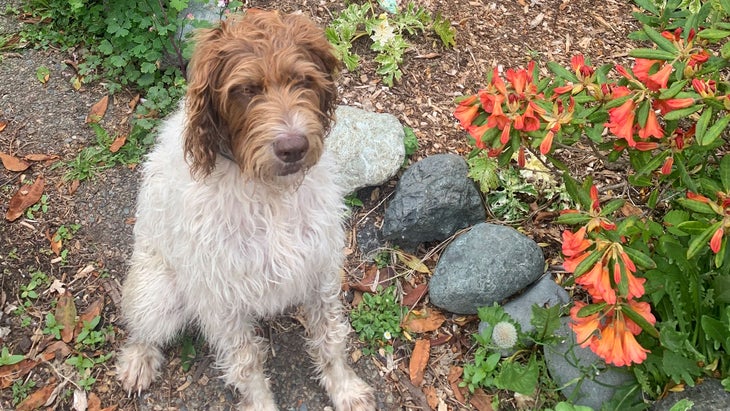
<point>322,53</point>
<point>204,132</point>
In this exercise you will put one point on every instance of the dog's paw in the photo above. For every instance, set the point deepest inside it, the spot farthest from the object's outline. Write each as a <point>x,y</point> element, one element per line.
<point>248,406</point>
<point>138,365</point>
<point>354,395</point>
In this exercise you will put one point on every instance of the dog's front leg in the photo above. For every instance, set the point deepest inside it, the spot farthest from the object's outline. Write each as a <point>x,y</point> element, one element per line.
<point>327,330</point>
<point>240,355</point>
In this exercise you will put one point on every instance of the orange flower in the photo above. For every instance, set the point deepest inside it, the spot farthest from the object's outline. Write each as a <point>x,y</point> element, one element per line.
<point>621,121</point>
<point>652,127</point>
<point>617,345</point>
<point>547,142</point>
<point>477,132</point>
<point>598,283</point>
<point>584,327</point>
<point>575,243</point>
<point>716,240</point>
<point>667,166</point>
<point>527,121</point>
<point>498,118</point>
<point>467,111</point>
<point>704,88</point>
<point>669,105</point>
<point>659,80</point>
<point>571,263</point>
<point>643,309</point>
<point>642,67</point>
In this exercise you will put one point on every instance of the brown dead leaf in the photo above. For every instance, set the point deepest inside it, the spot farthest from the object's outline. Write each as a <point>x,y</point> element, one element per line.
<point>118,143</point>
<point>3,124</point>
<point>373,278</point>
<point>9,373</point>
<point>481,401</point>
<point>41,157</point>
<point>413,295</point>
<point>419,361</point>
<point>453,378</point>
<point>66,316</point>
<point>629,209</point>
<point>12,163</point>
<point>57,349</point>
<point>37,399</point>
<point>92,311</point>
<point>73,187</point>
<point>431,396</point>
<point>133,103</point>
<point>56,242</point>
<point>26,196</point>
<point>422,321</point>
<point>97,110</point>
<point>94,403</point>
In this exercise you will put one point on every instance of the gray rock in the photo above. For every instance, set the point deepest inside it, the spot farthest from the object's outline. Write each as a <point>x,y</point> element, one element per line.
<point>591,381</point>
<point>433,200</point>
<point>707,396</point>
<point>544,292</point>
<point>368,238</point>
<point>368,147</point>
<point>487,264</point>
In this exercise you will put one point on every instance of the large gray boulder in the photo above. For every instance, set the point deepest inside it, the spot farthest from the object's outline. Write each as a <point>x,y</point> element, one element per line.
<point>487,264</point>
<point>586,379</point>
<point>543,293</point>
<point>434,199</point>
<point>367,147</point>
<point>709,395</point>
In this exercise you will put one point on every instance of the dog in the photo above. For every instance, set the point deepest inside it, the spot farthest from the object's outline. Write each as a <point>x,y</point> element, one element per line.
<point>238,214</point>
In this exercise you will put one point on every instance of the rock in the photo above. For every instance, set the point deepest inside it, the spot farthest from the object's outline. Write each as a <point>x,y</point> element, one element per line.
<point>567,362</point>
<point>201,11</point>
<point>487,264</point>
<point>367,147</point>
<point>368,238</point>
<point>545,293</point>
<point>707,396</point>
<point>432,201</point>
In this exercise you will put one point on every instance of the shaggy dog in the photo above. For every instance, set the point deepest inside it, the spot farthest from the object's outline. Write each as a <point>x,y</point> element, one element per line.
<point>238,216</point>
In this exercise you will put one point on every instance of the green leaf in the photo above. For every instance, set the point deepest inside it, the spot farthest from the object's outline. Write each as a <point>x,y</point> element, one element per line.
<point>545,320</point>
<point>700,242</point>
<point>519,378</point>
<point>673,90</point>
<point>654,163</point>
<point>717,331</point>
<point>713,34</point>
<point>7,359</point>
<point>442,27</point>
<point>588,263</point>
<point>652,54</point>
<point>696,206</point>
<point>680,368</point>
<point>561,71</point>
<point>640,259</point>
<point>659,40</point>
<point>682,112</point>
<point>573,218</point>
<point>483,170</point>
<point>702,124</point>
<point>610,207</point>
<point>591,309</point>
<point>721,285</point>
<point>725,172</point>
<point>693,227</point>
<point>639,320</point>
<point>682,405</point>
<point>714,132</point>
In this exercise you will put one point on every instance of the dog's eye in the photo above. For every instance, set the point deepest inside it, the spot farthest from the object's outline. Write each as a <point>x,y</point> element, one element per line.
<point>247,90</point>
<point>303,81</point>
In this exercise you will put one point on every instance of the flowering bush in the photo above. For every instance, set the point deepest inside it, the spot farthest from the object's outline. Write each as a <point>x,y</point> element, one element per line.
<point>658,289</point>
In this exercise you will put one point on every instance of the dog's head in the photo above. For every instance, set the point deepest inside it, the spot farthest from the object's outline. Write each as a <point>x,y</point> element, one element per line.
<point>260,92</point>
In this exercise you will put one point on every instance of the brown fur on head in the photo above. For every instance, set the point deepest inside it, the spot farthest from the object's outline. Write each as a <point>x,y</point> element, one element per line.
<point>260,90</point>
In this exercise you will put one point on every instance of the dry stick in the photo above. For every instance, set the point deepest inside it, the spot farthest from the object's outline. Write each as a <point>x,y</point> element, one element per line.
<point>417,395</point>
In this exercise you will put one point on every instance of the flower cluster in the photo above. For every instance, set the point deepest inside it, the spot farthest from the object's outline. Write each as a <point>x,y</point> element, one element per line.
<point>603,267</point>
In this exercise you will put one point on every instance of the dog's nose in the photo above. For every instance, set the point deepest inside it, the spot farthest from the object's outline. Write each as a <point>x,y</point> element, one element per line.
<point>290,148</point>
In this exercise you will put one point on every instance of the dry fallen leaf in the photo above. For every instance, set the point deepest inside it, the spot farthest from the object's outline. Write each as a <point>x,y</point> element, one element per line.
<point>133,103</point>
<point>423,321</point>
<point>94,402</point>
<point>373,278</point>
<point>98,110</point>
<point>413,295</point>
<point>419,361</point>
<point>453,378</point>
<point>66,316</point>
<point>25,197</point>
<point>57,349</point>
<point>37,399</point>
<point>118,143</point>
<point>413,262</point>
<point>73,187</point>
<point>81,401</point>
<point>481,401</point>
<point>3,124</point>
<point>56,242</point>
<point>9,373</point>
<point>93,310</point>
<point>12,163</point>
<point>41,157</point>
<point>431,396</point>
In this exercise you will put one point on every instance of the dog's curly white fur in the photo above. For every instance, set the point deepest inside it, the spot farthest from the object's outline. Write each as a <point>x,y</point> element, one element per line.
<point>238,216</point>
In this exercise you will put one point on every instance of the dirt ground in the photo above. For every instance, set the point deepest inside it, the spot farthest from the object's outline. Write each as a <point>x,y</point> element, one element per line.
<point>49,119</point>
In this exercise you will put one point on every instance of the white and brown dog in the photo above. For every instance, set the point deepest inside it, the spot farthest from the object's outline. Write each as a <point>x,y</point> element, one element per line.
<point>238,216</point>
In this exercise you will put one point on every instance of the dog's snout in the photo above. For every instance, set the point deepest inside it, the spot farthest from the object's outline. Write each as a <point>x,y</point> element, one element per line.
<point>290,148</point>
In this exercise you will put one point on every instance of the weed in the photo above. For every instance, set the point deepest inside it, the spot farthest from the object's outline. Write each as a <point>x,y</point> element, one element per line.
<point>40,207</point>
<point>52,326</point>
<point>9,359</point>
<point>21,390</point>
<point>410,142</point>
<point>377,320</point>
<point>90,338</point>
<point>353,201</point>
<point>387,34</point>
<point>84,366</point>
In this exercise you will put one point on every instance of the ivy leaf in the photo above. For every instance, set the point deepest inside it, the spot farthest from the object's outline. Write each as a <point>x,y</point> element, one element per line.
<point>483,170</point>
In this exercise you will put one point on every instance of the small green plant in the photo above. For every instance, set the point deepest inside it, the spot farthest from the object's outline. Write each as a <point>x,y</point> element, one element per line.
<point>9,359</point>
<point>387,32</point>
<point>377,320</point>
<point>410,142</point>
<point>188,353</point>
<point>21,390</point>
<point>40,207</point>
<point>84,366</point>
<point>52,326</point>
<point>66,232</point>
<point>29,291</point>
<point>98,157</point>
<point>523,370</point>
<point>352,201</point>
<point>90,338</point>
